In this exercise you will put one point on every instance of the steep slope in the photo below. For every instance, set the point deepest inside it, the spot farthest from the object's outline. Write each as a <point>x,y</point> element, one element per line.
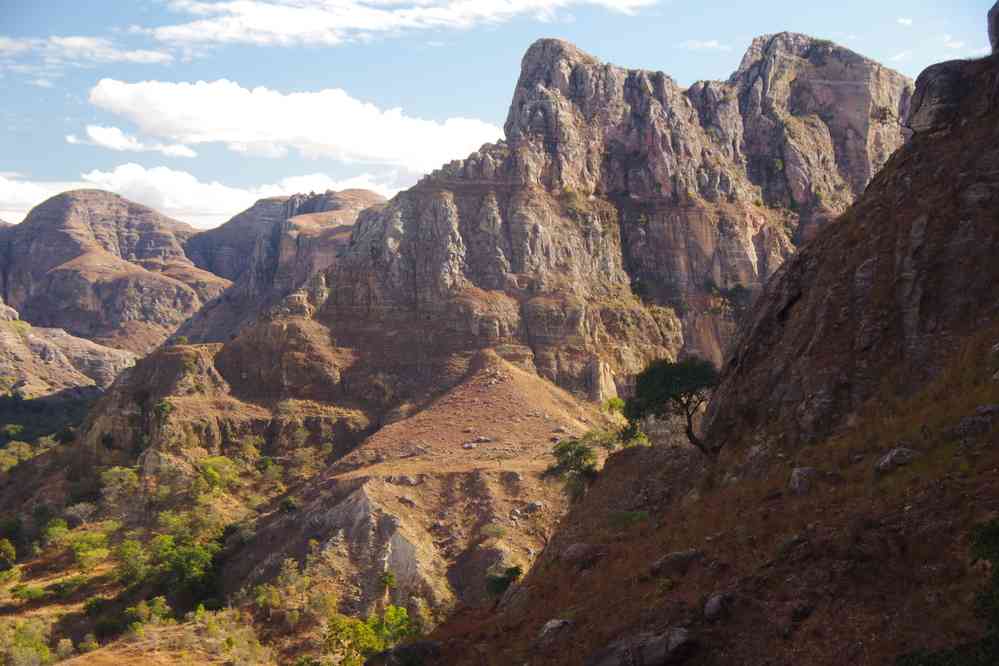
<point>875,304</point>
<point>38,362</point>
<point>231,248</point>
<point>439,500</point>
<point>615,182</point>
<point>103,268</point>
<point>878,346</point>
<point>269,251</point>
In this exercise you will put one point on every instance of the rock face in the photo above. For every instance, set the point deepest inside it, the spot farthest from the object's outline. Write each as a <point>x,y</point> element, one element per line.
<point>269,251</point>
<point>993,20</point>
<point>232,248</point>
<point>39,362</point>
<point>614,183</point>
<point>891,286</point>
<point>103,268</point>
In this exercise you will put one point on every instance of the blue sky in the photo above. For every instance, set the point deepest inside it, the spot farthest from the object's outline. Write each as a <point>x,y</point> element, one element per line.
<point>198,107</point>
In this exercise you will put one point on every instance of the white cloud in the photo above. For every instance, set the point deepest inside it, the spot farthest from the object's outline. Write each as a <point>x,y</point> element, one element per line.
<point>951,43</point>
<point>706,45</point>
<point>328,123</point>
<point>42,83</point>
<point>176,193</point>
<point>74,50</point>
<point>18,196</point>
<point>907,22</point>
<point>114,139</point>
<point>902,56</point>
<point>329,22</point>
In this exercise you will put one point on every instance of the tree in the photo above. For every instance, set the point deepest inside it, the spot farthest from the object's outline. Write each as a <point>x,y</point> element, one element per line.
<point>665,388</point>
<point>8,555</point>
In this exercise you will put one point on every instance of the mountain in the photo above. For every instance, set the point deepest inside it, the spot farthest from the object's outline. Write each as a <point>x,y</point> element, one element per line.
<point>37,362</point>
<point>104,268</point>
<point>269,251</point>
<point>368,413</point>
<point>858,410</point>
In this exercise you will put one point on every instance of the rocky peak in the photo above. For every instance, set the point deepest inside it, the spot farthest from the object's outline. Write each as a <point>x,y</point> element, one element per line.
<point>103,268</point>
<point>709,187</point>
<point>890,289</point>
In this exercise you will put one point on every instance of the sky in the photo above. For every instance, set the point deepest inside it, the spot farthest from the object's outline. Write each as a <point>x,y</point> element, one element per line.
<point>199,107</point>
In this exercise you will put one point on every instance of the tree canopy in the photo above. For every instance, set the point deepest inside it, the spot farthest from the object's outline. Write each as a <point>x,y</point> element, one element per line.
<point>667,388</point>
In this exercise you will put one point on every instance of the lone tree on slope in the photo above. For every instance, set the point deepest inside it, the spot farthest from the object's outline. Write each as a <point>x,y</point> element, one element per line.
<point>665,388</point>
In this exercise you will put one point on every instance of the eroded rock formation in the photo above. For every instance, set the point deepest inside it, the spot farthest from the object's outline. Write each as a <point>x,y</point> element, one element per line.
<point>103,268</point>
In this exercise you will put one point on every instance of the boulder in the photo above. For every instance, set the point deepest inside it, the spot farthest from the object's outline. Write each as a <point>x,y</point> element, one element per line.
<point>897,457</point>
<point>802,480</point>
<point>675,564</point>
<point>717,605</point>
<point>582,555</point>
<point>672,646</point>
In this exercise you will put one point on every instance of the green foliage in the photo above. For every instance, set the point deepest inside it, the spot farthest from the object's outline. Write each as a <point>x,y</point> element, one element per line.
<point>614,405</point>
<point>28,593</point>
<point>154,611</point>
<point>11,431</point>
<point>181,340</point>
<point>219,472</point>
<point>55,531</point>
<point>133,559</point>
<point>163,410</point>
<point>25,642</point>
<point>576,463</point>
<point>8,555</point>
<point>353,640</point>
<point>119,486</point>
<point>290,505</point>
<point>666,388</point>
<point>625,520</point>
<point>387,580</point>
<point>497,584</point>
<point>984,547</point>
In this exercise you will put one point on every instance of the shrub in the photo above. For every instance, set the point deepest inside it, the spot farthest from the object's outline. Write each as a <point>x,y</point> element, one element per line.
<point>8,555</point>
<point>353,640</point>
<point>497,584</point>
<point>163,410</point>
<point>614,405</point>
<point>55,531</point>
<point>28,593</point>
<point>219,472</point>
<point>24,642</point>
<point>119,486</point>
<point>65,649</point>
<point>290,505</point>
<point>133,562</point>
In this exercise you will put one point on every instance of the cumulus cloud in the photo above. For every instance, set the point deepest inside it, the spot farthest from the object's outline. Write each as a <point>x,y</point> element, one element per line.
<point>114,139</point>
<point>703,45</point>
<point>330,22</point>
<point>907,22</point>
<point>259,121</point>
<point>178,194</point>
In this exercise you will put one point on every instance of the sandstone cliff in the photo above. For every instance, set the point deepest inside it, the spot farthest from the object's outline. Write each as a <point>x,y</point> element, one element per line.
<point>614,183</point>
<point>877,345</point>
<point>269,251</point>
<point>874,305</point>
<point>103,268</point>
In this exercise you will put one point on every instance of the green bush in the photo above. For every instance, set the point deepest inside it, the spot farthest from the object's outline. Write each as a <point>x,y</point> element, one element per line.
<point>614,405</point>
<point>8,555</point>
<point>133,565</point>
<point>219,472</point>
<point>24,642</point>
<point>497,584</point>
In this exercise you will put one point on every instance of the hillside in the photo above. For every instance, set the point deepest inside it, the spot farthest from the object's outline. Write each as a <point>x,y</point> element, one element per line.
<point>103,268</point>
<point>858,414</point>
<point>365,420</point>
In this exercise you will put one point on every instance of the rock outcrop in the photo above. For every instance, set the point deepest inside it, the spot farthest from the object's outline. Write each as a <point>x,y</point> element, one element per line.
<point>103,268</point>
<point>40,362</point>
<point>891,287</point>
<point>270,250</point>
<point>993,20</point>
<point>614,183</point>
